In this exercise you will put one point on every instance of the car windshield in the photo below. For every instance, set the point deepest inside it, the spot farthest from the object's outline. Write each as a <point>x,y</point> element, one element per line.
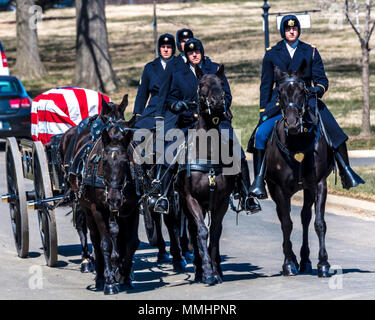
<point>9,86</point>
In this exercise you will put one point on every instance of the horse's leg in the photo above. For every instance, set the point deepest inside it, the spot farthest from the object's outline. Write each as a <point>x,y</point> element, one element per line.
<point>202,236</point>
<point>290,266</point>
<point>110,286</point>
<point>215,234</point>
<point>305,264</point>
<point>81,227</point>
<point>321,228</point>
<point>163,256</point>
<point>115,255</point>
<point>184,241</point>
<point>129,243</point>
<point>99,259</point>
<point>193,232</point>
<point>178,261</point>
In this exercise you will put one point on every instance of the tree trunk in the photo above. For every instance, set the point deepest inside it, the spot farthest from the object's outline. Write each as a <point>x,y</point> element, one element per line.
<point>93,62</point>
<point>365,128</point>
<point>28,63</point>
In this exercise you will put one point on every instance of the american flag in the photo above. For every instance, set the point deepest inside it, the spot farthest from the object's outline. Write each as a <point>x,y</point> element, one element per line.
<point>58,109</point>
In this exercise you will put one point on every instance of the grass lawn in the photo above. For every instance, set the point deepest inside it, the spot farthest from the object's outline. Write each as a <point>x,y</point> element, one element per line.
<point>364,191</point>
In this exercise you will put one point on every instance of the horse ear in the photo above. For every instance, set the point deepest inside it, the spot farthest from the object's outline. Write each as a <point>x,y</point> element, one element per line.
<point>220,71</point>
<point>124,103</point>
<point>198,72</point>
<point>105,107</point>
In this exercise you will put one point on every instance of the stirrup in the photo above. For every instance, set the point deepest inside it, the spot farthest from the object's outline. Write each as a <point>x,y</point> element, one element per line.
<point>251,209</point>
<point>159,208</point>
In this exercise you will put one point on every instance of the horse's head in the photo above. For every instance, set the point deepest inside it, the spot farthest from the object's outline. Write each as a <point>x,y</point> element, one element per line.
<point>112,112</point>
<point>292,98</point>
<point>116,138</point>
<point>211,95</point>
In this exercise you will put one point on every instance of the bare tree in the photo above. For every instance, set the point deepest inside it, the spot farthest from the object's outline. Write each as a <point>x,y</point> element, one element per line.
<point>28,62</point>
<point>93,62</point>
<point>364,39</point>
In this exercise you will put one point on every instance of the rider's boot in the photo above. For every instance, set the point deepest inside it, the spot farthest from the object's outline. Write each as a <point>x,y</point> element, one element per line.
<point>248,201</point>
<point>258,188</point>
<point>349,178</point>
<point>162,203</point>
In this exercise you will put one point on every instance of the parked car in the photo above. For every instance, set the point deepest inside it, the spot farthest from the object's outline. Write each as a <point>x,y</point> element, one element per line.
<point>4,68</point>
<point>15,108</point>
<point>7,5</point>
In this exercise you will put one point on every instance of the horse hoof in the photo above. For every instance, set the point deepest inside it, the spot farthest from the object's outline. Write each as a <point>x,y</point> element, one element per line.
<point>290,269</point>
<point>132,276</point>
<point>110,289</point>
<point>87,267</point>
<point>189,257</point>
<point>179,266</point>
<point>163,258</point>
<point>218,279</point>
<point>99,284</point>
<point>127,285</point>
<point>198,277</point>
<point>210,280</point>
<point>305,267</point>
<point>323,272</point>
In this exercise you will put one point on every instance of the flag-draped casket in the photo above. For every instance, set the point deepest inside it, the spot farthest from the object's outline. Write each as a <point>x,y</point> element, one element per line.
<point>58,109</point>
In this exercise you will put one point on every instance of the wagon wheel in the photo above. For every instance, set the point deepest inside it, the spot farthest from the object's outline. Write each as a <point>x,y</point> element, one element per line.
<point>17,194</point>
<point>46,216</point>
<point>149,225</point>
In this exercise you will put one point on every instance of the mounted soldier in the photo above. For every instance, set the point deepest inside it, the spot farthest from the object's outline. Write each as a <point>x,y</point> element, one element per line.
<point>152,77</point>
<point>289,54</point>
<point>181,105</point>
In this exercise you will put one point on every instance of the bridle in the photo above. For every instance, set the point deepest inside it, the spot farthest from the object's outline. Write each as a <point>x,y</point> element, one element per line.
<point>300,154</point>
<point>300,107</point>
<point>208,104</point>
<point>123,184</point>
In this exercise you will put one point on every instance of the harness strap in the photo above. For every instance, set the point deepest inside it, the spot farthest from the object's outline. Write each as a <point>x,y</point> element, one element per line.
<point>298,156</point>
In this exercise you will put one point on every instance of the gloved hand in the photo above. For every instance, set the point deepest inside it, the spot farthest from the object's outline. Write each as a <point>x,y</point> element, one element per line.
<point>318,90</point>
<point>186,118</point>
<point>179,106</point>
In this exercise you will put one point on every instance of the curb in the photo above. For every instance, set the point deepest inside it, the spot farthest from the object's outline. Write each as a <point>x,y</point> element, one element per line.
<point>356,207</point>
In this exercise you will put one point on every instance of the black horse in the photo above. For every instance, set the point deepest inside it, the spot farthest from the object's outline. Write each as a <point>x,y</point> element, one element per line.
<point>106,194</point>
<point>204,187</point>
<point>66,144</point>
<point>298,158</point>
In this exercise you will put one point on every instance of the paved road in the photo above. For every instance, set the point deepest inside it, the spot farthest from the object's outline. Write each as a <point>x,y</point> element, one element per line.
<point>251,254</point>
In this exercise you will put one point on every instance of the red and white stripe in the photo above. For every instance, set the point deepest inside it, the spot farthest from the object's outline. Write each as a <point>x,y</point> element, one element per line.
<point>59,109</point>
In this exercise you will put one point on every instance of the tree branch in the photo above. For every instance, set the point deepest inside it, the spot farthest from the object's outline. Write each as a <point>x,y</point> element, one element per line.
<point>361,40</point>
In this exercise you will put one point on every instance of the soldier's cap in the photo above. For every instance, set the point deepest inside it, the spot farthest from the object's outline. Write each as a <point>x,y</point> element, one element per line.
<point>183,34</point>
<point>167,38</point>
<point>194,44</point>
<point>289,21</point>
